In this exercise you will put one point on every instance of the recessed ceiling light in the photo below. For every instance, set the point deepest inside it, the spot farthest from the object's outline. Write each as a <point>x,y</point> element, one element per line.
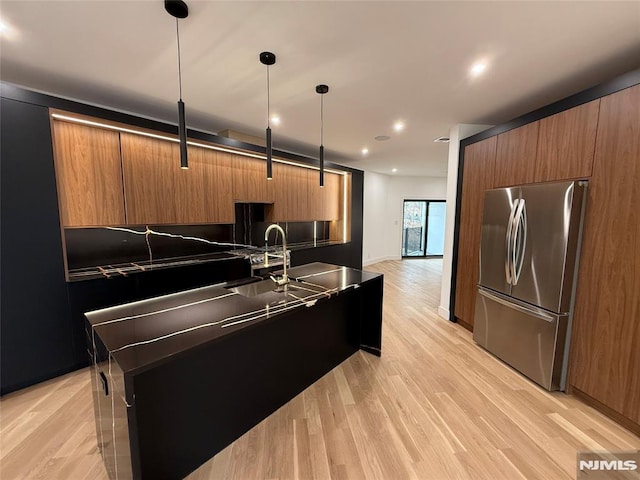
<point>382,138</point>
<point>8,31</point>
<point>394,170</point>
<point>477,69</point>
<point>275,119</point>
<point>442,140</point>
<point>365,151</point>
<point>398,126</point>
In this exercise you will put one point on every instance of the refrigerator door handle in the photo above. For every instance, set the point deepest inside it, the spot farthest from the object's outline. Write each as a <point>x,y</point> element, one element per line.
<point>507,260</point>
<point>534,313</point>
<point>519,241</point>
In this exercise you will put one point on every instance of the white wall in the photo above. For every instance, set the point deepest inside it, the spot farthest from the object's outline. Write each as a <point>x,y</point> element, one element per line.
<point>457,133</point>
<point>383,199</point>
<point>375,219</point>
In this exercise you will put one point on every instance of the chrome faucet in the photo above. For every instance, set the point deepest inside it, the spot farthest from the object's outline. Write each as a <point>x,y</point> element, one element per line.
<point>285,279</point>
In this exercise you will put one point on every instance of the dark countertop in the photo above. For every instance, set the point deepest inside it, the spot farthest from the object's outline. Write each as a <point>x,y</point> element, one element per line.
<point>132,268</point>
<point>142,334</point>
<point>126,269</point>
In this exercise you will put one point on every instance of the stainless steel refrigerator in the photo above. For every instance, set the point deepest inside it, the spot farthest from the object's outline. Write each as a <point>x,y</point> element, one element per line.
<point>528,256</point>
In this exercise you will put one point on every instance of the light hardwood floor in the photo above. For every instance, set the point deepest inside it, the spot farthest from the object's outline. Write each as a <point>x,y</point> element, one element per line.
<point>435,406</point>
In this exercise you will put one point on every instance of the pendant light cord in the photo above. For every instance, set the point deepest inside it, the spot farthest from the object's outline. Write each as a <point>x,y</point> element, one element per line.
<point>179,64</point>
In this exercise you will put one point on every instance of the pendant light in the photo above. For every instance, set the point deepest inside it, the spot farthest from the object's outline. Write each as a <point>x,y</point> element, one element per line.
<point>322,89</point>
<point>268,58</point>
<point>179,9</point>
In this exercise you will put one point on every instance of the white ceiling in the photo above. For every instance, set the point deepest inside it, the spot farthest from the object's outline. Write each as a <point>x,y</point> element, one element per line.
<point>383,61</point>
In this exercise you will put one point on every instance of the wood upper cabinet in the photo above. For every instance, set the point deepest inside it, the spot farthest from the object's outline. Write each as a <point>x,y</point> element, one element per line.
<point>250,182</point>
<point>290,193</point>
<point>566,143</point>
<point>332,197</point>
<point>215,169</point>
<point>158,191</point>
<point>88,174</point>
<point>150,180</point>
<point>323,202</point>
<point>605,352</point>
<point>316,196</point>
<point>478,176</point>
<point>516,156</point>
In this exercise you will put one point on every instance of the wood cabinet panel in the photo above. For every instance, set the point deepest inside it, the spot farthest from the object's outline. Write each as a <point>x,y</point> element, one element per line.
<point>516,156</point>
<point>150,169</point>
<point>158,191</point>
<point>605,353</point>
<point>89,175</point>
<point>217,173</point>
<point>250,182</point>
<point>316,196</point>
<point>323,203</point>
<point>332,195</point>
<point>566,143</point>
<point>290,193</point>
<point>478,175</point>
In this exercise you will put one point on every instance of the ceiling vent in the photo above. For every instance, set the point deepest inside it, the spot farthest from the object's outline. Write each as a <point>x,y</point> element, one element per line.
<point>442,140</point>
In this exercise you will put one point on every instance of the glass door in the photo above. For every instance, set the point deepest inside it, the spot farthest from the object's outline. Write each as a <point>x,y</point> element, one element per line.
<point>423,228</point>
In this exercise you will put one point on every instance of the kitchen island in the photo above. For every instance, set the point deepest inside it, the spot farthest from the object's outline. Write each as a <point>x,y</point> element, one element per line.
<point>177,378</point>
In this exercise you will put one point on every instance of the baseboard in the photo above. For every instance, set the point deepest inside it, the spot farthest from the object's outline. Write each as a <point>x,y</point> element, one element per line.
<point>604,409</point>
<point>466,325</point>
<point>371,261</point>
<point>443,312</point>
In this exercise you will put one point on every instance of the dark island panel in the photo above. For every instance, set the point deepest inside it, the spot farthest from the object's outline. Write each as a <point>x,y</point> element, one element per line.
<point>179,377</point>
<point>215,395</point>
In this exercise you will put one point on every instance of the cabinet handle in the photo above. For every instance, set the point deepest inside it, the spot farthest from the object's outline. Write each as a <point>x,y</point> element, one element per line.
<point>105,384</point>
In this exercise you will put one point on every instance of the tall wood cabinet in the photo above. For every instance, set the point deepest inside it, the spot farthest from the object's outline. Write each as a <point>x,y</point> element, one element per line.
<point>599,141</point>
<point>478,176</point>
<point>88,175</point>
<point>605,347</point>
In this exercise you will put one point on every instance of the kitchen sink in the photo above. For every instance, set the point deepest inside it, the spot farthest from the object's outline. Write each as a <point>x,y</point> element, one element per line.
<point>268,286</point>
